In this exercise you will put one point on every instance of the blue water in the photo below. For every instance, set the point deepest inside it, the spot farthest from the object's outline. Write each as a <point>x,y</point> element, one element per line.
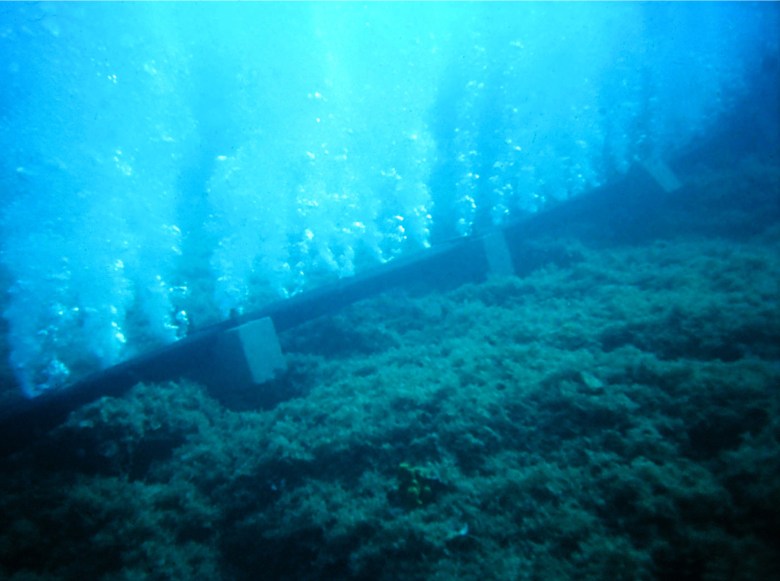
<point>166,165</point>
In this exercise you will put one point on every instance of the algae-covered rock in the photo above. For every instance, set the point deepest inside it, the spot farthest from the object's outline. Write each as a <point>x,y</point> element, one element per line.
<point>613,416</point>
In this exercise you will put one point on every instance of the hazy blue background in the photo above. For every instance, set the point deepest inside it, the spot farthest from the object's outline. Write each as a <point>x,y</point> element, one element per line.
<point>164,159</point>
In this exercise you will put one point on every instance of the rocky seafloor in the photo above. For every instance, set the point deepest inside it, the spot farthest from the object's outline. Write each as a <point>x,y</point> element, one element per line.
<point>612,414</point>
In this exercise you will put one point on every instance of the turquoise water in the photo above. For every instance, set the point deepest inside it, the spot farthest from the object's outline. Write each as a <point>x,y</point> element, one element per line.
<point>168,165</point>
<point>596,399</point>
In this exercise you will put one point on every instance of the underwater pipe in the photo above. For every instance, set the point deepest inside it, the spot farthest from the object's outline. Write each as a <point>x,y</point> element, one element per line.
<point>215,355</point>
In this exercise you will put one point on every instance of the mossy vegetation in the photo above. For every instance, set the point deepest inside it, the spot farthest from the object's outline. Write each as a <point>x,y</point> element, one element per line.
<point>616,416</point>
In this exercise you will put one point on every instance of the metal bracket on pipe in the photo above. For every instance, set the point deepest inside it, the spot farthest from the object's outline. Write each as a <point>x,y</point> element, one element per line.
<point>249,355</point>
<point>499,257</point>
<point>662,174</point>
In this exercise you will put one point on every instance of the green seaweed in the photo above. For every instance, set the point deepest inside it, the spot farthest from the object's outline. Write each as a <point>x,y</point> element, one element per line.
<point>610,416</point>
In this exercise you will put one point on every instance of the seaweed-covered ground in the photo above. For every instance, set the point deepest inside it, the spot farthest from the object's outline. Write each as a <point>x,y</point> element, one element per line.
<point>613,415</point>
